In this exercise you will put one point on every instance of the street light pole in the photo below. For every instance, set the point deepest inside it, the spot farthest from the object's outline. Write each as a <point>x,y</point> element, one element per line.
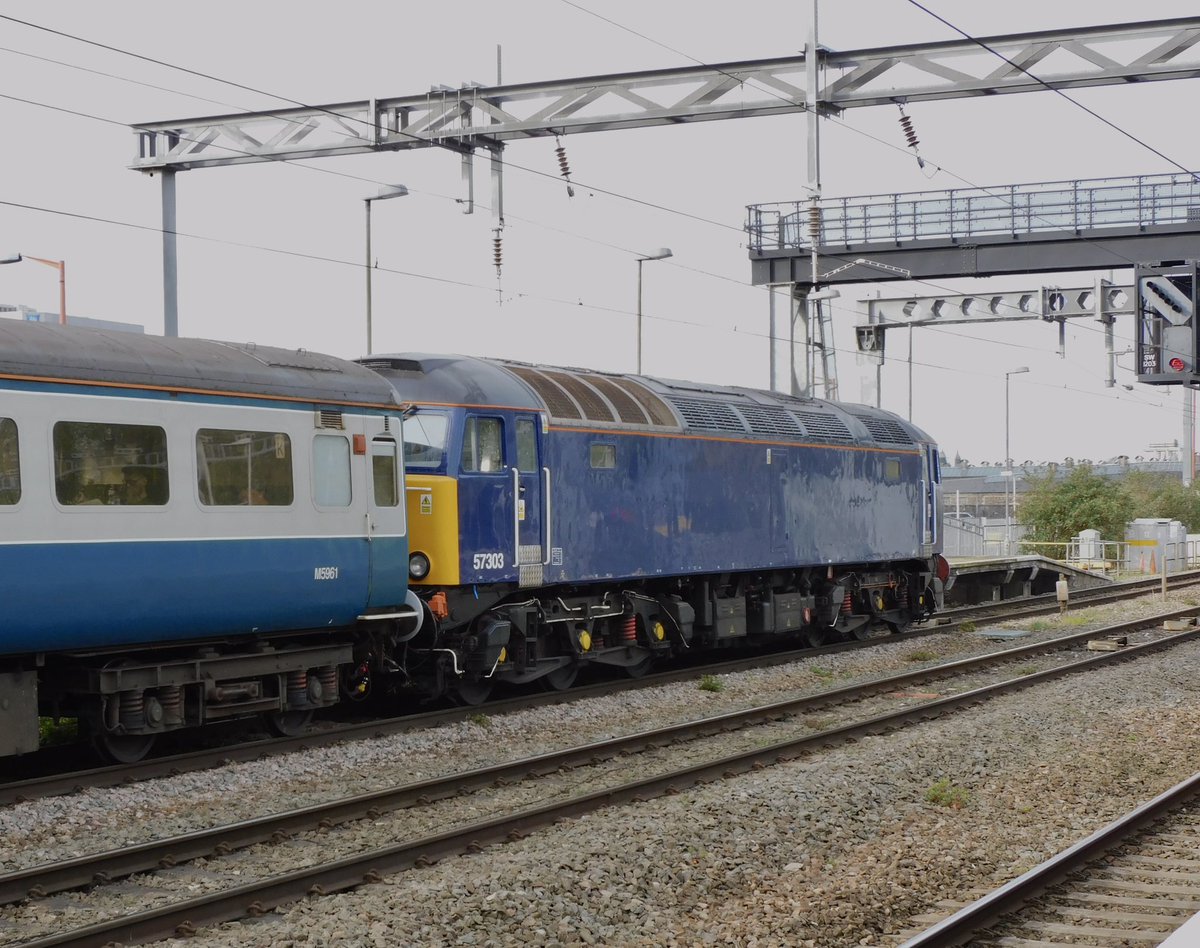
<point>1008,466</point>
<point>61,267</point>
<point>660,254</point>
<point>392,191</point>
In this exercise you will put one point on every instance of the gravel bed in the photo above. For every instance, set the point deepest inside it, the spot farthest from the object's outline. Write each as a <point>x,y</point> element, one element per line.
<point>519,901</point>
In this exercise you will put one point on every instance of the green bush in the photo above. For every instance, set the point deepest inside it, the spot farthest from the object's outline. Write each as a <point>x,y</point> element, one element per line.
<point>947,793</point>
<point>711,683</point>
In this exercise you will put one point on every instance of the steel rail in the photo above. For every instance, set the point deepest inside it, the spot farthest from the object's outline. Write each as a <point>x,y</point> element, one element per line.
<point>966,923</point>
<point>103,867</point>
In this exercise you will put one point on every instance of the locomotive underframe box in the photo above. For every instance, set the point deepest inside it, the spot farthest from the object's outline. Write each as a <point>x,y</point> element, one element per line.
<point>18,713</point>
<point>729,618</point>
<point>779,613</point>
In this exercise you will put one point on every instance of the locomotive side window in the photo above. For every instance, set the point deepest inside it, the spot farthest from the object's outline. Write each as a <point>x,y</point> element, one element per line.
<point>891,470</point>
<point>110,464</point>
<point>483,446</point>
<point>383,473</point>
<point>424,440</point>
<point>526,446</point>
<point>246,468</point>
<point>331,471</point>
<point>10,463</point>
<point>604,456</point>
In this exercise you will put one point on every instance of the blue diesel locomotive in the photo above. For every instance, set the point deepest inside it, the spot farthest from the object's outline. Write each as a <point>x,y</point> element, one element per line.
<point>190,531</point>
<point>560,518</point>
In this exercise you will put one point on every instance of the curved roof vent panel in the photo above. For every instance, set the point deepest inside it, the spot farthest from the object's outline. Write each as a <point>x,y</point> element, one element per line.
<point>884,430</point>
<point>824,427</point>
<point>628,410</point>
<point>660,414</point>
<point>770,422</point>
<point>595,408</point>
<point>560,404</point>
<point>703,415</point>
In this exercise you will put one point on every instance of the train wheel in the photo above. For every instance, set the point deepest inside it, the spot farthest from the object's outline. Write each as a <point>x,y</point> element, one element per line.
<point>288,723</point>
<point>640,669</point>
<point>123,748</point>
<point>472,692</point>
<point>561,678</point>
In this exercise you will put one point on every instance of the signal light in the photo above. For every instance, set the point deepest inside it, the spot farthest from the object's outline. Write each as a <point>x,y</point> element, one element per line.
<point>1176,364</point>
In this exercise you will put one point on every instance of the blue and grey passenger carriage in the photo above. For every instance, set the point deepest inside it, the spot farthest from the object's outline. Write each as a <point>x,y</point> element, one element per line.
<point>189,531</point>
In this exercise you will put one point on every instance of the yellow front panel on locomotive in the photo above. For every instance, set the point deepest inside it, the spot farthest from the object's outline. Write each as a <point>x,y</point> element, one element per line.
<point>433,526</point>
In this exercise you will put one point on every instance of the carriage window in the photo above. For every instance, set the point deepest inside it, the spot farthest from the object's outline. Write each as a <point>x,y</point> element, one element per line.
<point>249,468</point>
<point>424,440</point>
<point>891,470</point>
<point>331,471</point>
<point>604,456</point>
<point>110,464</point>
<point>483,445</point>
<point>10,463</point>
<point>526,446</point>
<point>383,473</point>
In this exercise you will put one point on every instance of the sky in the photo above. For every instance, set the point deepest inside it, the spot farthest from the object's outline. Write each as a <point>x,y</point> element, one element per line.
<point>273,253</point>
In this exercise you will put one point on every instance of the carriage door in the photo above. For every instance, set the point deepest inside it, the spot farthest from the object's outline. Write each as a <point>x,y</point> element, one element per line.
<point>530,486</point>
<point>388,542</point>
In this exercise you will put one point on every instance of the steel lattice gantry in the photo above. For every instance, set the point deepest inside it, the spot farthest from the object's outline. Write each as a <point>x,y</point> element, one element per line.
<point>472,117</point>
<point>475,116</point>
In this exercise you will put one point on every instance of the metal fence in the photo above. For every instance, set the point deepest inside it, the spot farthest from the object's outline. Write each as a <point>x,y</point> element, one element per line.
<point>975,212</point>
<point>1116,556</point>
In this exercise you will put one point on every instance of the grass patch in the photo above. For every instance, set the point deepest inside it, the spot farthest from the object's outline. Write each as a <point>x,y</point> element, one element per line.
<point>711,683</point>
<point>823,673</point>
<point>481,719</point>
<point>966,626</point>
<point>947,793</point>
<point>921,655</point>
<point>1028,670</point>
<point>1074,621</point>
<point>1039,625</point>
<point>53,731</point>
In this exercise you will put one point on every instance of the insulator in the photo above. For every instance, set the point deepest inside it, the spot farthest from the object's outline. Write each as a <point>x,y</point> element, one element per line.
<point>629,629</point>
<point>814,223</point>
<point>497,250</point>
<point>564,167</point>
<point>906,123</point>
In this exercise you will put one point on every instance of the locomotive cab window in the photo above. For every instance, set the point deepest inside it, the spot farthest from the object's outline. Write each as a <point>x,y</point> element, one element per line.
<point>331,471</point>
<point>604,456</point>
<point>424,440</point>
<point>526,446</point>
<point>10,463</point>
<point>109,465</point>
<point>483,446</point>
<point>244,468</point>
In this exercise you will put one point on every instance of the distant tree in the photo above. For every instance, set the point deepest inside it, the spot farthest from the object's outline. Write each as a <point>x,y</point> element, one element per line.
<point>1056,510</point>
<point>1163,495</point>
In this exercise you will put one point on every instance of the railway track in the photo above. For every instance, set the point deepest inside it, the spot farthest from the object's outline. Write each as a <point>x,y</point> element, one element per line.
<point>572,769</point>
<point>69,778</point>
<point>1134,882</point>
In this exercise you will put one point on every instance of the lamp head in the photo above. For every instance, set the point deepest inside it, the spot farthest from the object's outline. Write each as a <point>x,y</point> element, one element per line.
<point>390,191</point>
<point>12,258</point>
<point>660,254</point>
<point>1018,370</point>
